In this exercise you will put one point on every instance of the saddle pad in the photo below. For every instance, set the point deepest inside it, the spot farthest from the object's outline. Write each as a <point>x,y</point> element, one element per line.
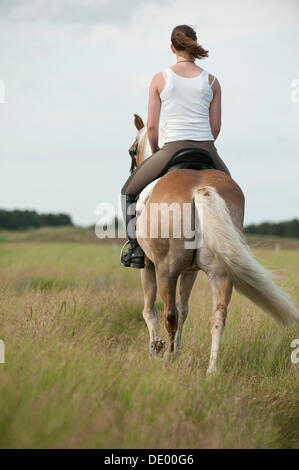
<point>145,193</point>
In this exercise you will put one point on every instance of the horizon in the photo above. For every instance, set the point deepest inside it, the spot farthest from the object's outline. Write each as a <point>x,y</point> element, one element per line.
<point>111,222</point>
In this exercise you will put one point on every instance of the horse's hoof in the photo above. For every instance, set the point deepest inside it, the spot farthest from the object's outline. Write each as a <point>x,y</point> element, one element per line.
<point>157,348</point>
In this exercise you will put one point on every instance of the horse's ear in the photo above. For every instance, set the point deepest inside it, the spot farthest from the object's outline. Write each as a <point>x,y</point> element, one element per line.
<point>138,122</point>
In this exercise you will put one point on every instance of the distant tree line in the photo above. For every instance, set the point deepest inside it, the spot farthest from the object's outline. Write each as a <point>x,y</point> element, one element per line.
<point>278,229</point>
<point>23,219</point>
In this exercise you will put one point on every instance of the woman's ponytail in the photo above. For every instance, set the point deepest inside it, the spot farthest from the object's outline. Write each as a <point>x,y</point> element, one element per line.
<point>184,38</point>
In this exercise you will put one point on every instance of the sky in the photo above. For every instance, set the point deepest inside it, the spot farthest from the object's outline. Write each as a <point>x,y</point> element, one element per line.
<point>76,71</point>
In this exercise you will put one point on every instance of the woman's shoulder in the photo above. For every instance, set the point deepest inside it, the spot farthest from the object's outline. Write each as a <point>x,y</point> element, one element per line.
<point>212,78</point>
<point>160,74</point>
<point>160,77</point>
<point>159,81</point>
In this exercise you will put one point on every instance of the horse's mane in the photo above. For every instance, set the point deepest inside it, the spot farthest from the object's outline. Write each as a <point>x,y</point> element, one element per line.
<point>143,134</point>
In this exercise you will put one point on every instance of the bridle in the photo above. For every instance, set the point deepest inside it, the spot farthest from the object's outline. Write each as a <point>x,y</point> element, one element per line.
<point>133,152</point>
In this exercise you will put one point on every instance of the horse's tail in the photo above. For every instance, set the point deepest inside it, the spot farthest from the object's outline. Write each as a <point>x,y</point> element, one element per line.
<point>227,244</point>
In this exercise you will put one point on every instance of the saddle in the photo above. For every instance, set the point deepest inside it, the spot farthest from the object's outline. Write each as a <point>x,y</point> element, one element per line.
<point>190,159</point>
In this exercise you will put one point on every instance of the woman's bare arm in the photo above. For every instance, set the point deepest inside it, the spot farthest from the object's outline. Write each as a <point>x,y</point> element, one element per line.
<point>215,109</point>
<point>154,108</point>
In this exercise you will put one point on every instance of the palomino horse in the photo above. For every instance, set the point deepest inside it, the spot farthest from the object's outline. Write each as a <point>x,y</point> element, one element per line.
<point>222,254</point>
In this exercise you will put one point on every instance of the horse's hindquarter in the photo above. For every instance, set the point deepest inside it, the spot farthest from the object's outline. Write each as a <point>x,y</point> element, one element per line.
<point>175,189</point>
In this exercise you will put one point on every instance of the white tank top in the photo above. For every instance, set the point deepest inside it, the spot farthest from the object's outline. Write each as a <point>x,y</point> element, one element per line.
<point>186,104</point>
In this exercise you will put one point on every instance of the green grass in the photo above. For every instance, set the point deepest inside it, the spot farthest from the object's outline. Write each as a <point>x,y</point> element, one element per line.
<point>78,372</point>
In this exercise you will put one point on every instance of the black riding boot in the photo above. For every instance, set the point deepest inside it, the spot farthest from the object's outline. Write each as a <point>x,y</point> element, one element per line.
<point>131,254</point>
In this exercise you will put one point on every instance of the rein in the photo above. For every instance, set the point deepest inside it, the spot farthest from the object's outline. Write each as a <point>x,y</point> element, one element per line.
<point>133,153</point>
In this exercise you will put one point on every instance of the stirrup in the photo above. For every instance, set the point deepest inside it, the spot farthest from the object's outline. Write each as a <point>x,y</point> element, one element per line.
<point>129,259</point>
<point>124,255</point>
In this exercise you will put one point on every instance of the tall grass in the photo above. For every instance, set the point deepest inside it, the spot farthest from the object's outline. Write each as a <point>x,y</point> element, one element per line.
<point>78,372</point>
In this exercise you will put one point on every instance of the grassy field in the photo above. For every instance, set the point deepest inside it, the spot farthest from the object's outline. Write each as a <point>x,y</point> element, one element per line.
<point>78,372</point>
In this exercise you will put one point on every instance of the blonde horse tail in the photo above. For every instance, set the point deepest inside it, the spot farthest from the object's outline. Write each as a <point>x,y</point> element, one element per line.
<point>227,244</point>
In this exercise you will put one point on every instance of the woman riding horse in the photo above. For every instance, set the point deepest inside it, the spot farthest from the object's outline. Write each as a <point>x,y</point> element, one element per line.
<point>215,206</point>
<point>191,98</point>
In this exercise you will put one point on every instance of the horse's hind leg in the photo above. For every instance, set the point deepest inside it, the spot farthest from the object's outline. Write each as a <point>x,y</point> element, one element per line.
<point>186,283</point>
<point>148,279</point>
<point>221,289</point>
<point>167,290</point>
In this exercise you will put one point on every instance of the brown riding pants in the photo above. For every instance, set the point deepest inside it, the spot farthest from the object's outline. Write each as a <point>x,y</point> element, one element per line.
<point>151,168</point>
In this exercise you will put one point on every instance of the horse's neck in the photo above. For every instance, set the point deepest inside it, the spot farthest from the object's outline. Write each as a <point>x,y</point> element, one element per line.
<point>147,151</point>
<point>145,145</point>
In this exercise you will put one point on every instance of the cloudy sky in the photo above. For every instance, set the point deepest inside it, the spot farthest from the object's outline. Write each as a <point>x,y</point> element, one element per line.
<point>76,71</point>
